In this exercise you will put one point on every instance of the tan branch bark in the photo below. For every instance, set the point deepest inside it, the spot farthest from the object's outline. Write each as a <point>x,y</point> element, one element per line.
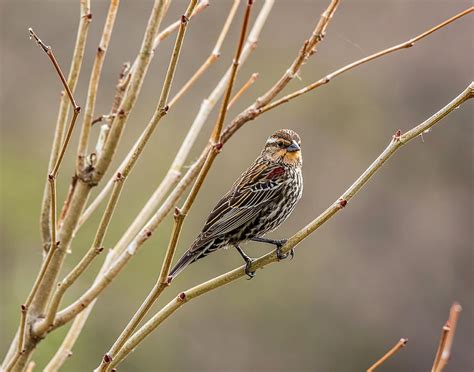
<point>398,141</point>
<point>395,349</point>
<point>180,215</point>
<point>76,63</point>
<point>47,323</point>
<point>94,84</point>
<point>446,339</point>
<point>328,78</point>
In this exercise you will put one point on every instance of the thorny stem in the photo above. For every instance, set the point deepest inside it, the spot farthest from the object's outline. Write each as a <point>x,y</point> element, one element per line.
<point>163,281</point>
<point>397,141</point>
<point>395,349</point>
<point>328,78</point>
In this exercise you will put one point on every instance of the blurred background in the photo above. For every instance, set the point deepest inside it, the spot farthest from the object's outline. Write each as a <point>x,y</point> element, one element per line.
<point>388,266</point>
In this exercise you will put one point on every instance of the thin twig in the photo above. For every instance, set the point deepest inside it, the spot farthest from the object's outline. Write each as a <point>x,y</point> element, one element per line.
<point>446,339</point>
<point>179,216</point>
<point>94,84</point>
<point>73,77</point>
<point>213,57</point>
<point>398,141</point>
<point>84,184</point>
<point>328,78</point>
<point>162,35</point>
<point>174,173</point>
<point>139,71</point>
<point>398,346</point>
<point>244,88</point>
<point>161,110</point>
<point>123,252</point>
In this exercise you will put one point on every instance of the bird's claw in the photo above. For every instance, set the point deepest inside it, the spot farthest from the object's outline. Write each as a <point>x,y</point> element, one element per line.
<point>250,273</point>
<point>280,255</point>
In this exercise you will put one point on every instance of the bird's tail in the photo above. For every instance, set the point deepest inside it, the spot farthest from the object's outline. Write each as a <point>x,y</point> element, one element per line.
<point>184,261</point>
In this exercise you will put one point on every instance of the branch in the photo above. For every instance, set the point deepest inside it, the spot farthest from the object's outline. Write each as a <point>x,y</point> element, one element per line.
<point>145,224</point>
<point>398,141</point>
<point>446,340</point>
<point>160,111</point>
<point>94,84</point>
<point>215,54</point>
<point>138,73</point>
<point>382,53</point>
<point>180,215</point>
<point>20,343</point>
<point>73,77</point>
<point>244,88</point>
<point>398,346</point>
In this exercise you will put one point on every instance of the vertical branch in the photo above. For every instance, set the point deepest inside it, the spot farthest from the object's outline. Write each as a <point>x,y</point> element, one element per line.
<point>139,71</point>
<point>20,343</point>
<point>78,54</point>
<point>173,175</point>
<point>94,84</point>
<point>163,281</point>
<point>161,110</point>
<point>446,340</point>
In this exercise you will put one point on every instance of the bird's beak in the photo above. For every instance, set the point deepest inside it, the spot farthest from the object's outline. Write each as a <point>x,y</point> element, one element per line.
<point>293,147</point>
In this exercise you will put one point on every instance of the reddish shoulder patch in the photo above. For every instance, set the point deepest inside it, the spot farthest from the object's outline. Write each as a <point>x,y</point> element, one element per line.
<point>277,172</point>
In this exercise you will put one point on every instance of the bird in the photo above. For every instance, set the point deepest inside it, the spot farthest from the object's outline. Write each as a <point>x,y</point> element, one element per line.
<point>259,201</point>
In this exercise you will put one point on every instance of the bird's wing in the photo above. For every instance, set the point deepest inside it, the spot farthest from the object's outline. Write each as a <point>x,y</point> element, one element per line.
<point>254,189</point>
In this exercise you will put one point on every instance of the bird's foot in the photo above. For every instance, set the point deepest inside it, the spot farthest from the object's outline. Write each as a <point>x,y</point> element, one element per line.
<point>249,272</point>
<point>279,253</point>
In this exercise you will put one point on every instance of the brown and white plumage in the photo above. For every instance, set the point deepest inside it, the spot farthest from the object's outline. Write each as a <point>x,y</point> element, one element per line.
<point>258,202</point>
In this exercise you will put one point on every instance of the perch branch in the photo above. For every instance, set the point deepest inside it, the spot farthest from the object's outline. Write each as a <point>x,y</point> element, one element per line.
<point>397,141</point>
<point>399,345</point>
<point>180,215</point>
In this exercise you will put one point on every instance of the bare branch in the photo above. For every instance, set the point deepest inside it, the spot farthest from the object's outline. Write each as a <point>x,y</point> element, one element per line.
<point>94,84</point>
<point>398,141</point>
<point>244,88</point>
<point>446,339</point>
<point>161,110</point>
<point>328,78</point>
<point>179,215</point>
<point>398,346</point>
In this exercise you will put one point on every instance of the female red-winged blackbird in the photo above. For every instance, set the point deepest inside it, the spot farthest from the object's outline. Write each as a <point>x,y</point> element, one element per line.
<point>258,202</point>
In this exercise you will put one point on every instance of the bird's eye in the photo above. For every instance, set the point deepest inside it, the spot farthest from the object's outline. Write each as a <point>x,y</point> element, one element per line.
<point>281,144</point>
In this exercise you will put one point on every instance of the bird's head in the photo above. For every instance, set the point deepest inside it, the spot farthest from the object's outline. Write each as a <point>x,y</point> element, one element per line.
<point>284,146</point>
